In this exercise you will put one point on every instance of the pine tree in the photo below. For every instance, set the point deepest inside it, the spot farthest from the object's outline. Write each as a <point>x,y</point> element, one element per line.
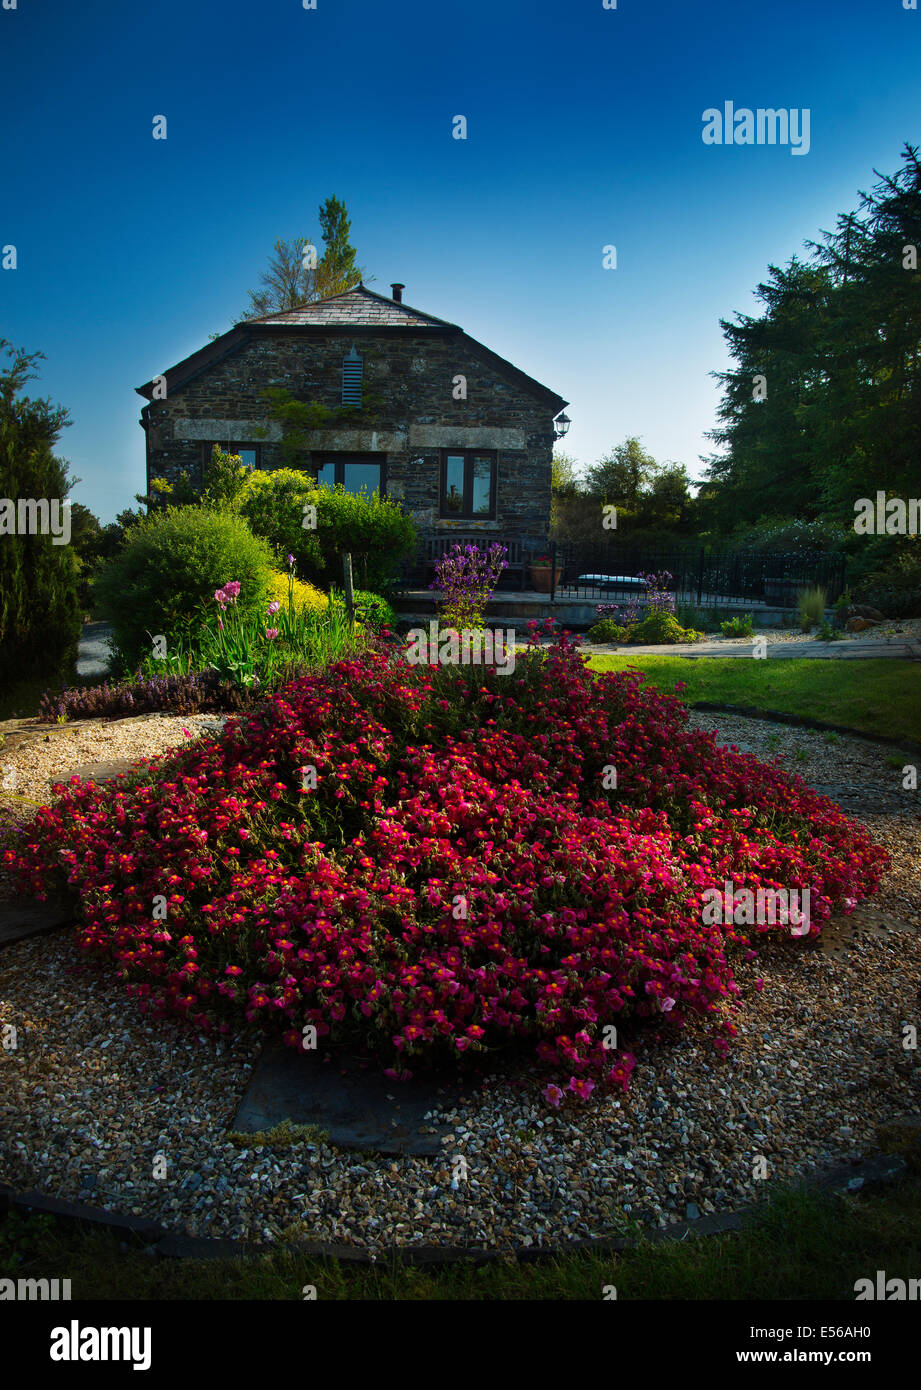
<point>337,271</point>
<point>291,281</point>
<point>839,346</point>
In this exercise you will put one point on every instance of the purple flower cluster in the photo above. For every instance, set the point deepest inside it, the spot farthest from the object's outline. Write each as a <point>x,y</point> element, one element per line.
<point>466,577</point>
<point>181,694</point>
<point>660,595</point>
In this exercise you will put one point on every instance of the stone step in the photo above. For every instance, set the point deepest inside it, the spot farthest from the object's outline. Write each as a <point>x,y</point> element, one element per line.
<point>100,772</point>
<point>25,917</point>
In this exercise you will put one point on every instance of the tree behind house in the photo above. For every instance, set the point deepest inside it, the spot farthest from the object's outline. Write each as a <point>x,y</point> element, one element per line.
<point>291,281</point>
<point>39,616</point>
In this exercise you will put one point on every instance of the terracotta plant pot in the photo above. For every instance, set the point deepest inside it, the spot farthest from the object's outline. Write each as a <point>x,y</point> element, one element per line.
<point>541,577</point>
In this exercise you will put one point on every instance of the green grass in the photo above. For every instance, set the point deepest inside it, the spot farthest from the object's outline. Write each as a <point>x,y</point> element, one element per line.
<point>878,697</point>
<point>799,1245</point>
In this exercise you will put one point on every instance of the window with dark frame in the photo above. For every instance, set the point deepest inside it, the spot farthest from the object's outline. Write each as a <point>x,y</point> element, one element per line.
<point>467,490</point>
<point>357,474</point>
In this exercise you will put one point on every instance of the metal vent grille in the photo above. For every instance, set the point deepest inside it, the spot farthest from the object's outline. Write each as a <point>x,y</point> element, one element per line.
<point>351,378</point>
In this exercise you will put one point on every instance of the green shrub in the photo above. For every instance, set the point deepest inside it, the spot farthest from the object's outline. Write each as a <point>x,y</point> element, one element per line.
<point>374,530</point>
<point>784,537</point>
<point>606,631</point>
<point>689,616</point>
<point>827,633</point>
<point>895,588</point>
<point>842,604</point>
<point>373,610</point>
<point>660,627</point>
<point>273,505</point>
<point>811,607</point>
<point>739,626</point>
<point>164,578</point>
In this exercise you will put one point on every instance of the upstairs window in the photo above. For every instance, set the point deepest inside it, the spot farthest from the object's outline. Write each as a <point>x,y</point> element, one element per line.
<point>351,378</point>
<point>468,485</point>
<point>249,453</point>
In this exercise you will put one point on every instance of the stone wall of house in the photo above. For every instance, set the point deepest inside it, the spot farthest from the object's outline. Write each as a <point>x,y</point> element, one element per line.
<point>415,375</point>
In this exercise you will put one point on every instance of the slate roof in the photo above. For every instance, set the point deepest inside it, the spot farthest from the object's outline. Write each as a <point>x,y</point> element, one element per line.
<point>357,308</point>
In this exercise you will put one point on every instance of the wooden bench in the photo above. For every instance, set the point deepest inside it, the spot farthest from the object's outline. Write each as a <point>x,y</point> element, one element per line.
<point>517,559</point>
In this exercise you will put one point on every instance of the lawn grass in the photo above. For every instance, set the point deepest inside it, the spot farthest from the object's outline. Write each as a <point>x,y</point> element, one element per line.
<point>800,1244</point>
<point>876,697</point>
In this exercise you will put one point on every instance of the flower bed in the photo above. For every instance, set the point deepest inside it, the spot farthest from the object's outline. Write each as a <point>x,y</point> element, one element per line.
<point>458,874</point>
<point>621,623</point>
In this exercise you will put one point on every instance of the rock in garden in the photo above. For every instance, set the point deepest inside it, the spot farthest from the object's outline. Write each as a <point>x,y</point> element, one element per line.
<point>864,610</point>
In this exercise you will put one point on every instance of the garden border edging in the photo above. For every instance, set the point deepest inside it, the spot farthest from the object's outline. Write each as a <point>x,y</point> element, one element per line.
<point>879,1170</point>
<point>778,717</point>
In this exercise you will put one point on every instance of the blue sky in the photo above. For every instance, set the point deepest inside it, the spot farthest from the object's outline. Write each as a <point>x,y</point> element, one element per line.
<point>584,130</point>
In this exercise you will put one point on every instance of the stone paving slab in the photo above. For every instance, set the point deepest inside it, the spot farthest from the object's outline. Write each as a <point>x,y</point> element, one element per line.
<point>348,1097</point>
<point>845,931</point>
<point>100,772</point>
<point>845,650</point>
<point>29,917</point>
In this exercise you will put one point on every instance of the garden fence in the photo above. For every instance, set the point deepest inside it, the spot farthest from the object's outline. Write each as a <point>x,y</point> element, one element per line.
<point>610,570</point>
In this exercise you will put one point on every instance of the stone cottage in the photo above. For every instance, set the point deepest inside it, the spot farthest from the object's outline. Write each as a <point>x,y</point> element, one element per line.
<point>459,435</point>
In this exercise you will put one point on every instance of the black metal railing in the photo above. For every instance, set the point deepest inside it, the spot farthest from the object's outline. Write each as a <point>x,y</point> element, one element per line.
<point>705,577</point>
<point>610,570</point>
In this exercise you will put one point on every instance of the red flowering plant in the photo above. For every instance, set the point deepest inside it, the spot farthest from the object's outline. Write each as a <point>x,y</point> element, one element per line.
<point>459,875</point>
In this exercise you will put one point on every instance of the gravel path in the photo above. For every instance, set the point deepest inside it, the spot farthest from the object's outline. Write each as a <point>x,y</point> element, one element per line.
<point>32,756</point>
<point>93,653</point>
<point>93,1094</point>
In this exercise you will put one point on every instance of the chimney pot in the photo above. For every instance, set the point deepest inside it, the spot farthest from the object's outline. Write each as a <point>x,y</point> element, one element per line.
<point>398,292</point>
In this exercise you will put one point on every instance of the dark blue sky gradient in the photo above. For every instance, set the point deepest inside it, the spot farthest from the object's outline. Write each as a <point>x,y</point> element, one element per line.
<point>584,129</point>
